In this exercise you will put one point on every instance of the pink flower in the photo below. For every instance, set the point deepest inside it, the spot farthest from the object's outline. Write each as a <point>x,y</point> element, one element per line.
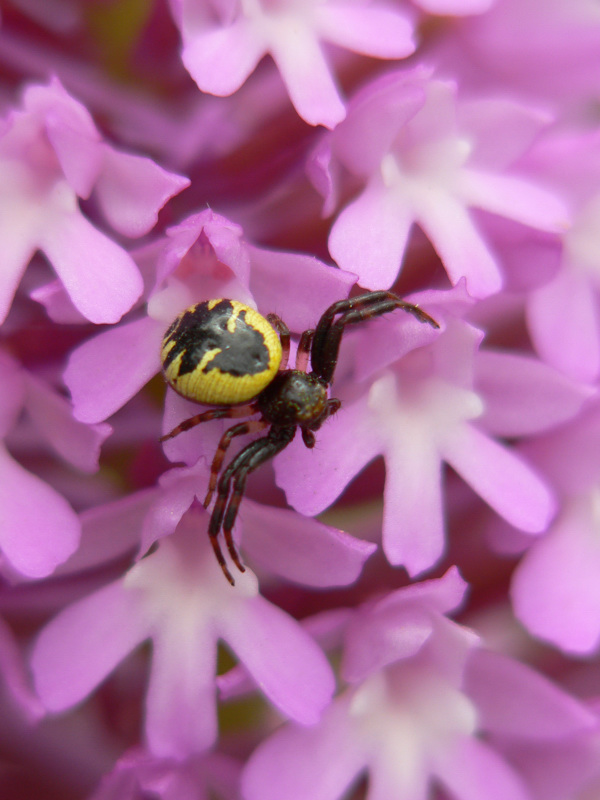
<point>51,154</point>
<point>421,397</point>
<point>421,693</point>
<point>223,44</point>
<point>427,156</point>
<point>177,598</point>
<point>39,530</point>
<point>555,590</point>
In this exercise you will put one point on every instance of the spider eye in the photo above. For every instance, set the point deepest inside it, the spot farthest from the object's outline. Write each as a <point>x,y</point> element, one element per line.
<point>220,352</point>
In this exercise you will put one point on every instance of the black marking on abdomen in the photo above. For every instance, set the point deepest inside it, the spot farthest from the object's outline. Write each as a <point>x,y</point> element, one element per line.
<point>243,352</point>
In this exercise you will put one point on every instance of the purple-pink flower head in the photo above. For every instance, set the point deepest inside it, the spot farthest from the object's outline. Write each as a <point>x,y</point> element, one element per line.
<point>177,598</point>
<point>427,156</point>
<point>51,155</point>
<point>422,403</point>
<point>422,699</point>
<point>224,41</point>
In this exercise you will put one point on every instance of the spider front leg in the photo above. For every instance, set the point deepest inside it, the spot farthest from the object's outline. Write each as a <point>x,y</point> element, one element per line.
<point>328,333</point>
<point>228,500</point>
<point>252,426</point>
<point>225,412</point>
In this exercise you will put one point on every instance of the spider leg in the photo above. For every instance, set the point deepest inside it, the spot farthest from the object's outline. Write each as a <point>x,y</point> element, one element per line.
<point>284,336</point>
<point>226,412</point>
<point>226,507</point>
<point>328,333</point>
<point>251,426</point>
<point>304,350</point>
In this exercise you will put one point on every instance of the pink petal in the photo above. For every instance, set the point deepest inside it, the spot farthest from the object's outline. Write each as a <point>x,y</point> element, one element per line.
<point>564,323</point>
<point>380,32</point>
<point>297,763</point>
<point>314,479</point>
<point>77,443</point>
<point>15,677</point>
<point>523,395</point>
<point>221,59</point>
<point>472,770</point>
<point>555,590</point>
<point>131,190</point>
<point>100,277</point>
<point>301,549</point>
<point>375,640</point>
<point>18,242</point>
<point>459,244</point>
<point>181,714</point>
<point>81,646</point>
<point>501,478</point>
<point>78,150</point>
<point>311,285</point>
<point>307,78</point>
<point>109,531</point>
<point>515,700</point>
<point>284,661</point>
<point>413,523</point>
<point>514,198</point>
<point>38,529</point>
<point>376,114</point>
<point>369,237</point>
<point>108,370</point>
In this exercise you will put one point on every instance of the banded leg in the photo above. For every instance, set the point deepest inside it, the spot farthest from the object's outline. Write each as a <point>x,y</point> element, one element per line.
<point>328,334</point>
<point>284,337</point>
<point>251,426</point>
<point>227,504</point>
<point>304,350</point>
<point>225,412</point>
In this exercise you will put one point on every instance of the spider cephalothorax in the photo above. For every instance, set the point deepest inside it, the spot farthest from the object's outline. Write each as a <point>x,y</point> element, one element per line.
<point>221,352</point>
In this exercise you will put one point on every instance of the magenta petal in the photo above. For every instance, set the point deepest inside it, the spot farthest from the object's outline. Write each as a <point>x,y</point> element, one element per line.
<point>311,285</point>
<point>78,150</point>
<point>131,190</point>
<point>413,523</point>
<point>460,245</point>
<point>284,661</point>
<point>109,531</point>
<point>380,32</point>
<point>313,479</point>
<point>472,770</point>
<point>515,700</point>
<point>81,646</point>
<point>38,529</point>
<point>221,59</point>
<point>523,395</point>
<point>109,369</point>
<point>307,78</point>
<point>302,549</point>
<point>297,763</point>
<point>501,478</point>
<point>181,715</point>
<point>375,640</point>
<point>555,590</point>
<point>369,237</point>
<point>100,277</point>
<point>76,442</point>
<point>564,322</point>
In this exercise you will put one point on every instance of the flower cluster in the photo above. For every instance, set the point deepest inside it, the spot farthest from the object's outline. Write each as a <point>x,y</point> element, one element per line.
<point>419,615</point>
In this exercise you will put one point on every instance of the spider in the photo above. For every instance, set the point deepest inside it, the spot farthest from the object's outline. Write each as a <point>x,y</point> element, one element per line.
<point>224,353</point>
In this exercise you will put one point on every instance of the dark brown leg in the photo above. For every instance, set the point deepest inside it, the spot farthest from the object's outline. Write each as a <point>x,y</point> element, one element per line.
<point>226,412</point>
<point>328,334</point>
<point>251,426</point>
<point>304,350</point>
